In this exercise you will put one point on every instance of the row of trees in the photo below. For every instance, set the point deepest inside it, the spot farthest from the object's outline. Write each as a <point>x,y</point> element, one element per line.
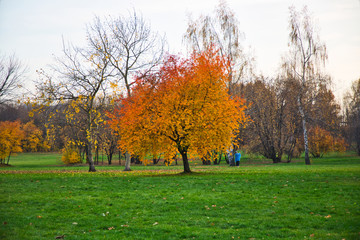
<point>156,103</point>
<point>17,137</point>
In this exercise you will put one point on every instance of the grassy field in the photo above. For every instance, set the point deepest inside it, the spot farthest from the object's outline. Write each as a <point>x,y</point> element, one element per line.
<point>42,199</point>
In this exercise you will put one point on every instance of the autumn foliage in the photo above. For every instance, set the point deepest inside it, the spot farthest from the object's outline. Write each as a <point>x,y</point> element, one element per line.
<point>70,155</point>
<point>11,135</point>
<point>184,107</point>
<point>321,142</point>
<point>33,140</point>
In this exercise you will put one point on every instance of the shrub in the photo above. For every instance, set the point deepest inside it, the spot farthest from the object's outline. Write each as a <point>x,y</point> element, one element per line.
<point>70,156</point>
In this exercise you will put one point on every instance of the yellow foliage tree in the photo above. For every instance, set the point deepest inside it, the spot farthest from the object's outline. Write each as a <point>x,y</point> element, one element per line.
<point>11,135</point>
<point>33,140</point>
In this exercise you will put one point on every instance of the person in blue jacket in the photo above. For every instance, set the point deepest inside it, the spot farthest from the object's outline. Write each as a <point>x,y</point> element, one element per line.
<point>237,158</point>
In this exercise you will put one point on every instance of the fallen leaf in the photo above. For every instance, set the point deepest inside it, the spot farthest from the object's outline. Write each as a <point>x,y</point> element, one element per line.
<point>60,237</point>
<point>155,223</point>
<point>75,223</point>
<point>312,235</point>
<point>39,216</point>
<point>4,223</point>
<point>125,225</point>
<point>328,216</point>
<point>111,228</point>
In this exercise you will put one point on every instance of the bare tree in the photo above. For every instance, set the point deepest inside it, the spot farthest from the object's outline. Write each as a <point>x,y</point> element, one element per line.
<point>274,124</point>
<point>129,45</point>
<point>82,85</point>
<point>352,105</point>
<point>11,73</point>
<point>117,48</point>
<point>307,55</point>
<point>221,30</point>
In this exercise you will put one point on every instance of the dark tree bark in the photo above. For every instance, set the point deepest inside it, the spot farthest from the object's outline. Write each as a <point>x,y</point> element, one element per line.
<point>183,151</point>
<point>185,162</point>
<point>89,157</point>
<point>109,157</point>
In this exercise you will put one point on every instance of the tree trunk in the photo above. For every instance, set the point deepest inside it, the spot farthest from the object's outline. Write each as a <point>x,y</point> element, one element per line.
<point>306,142</point>
<point>217,157</point>
<point>127,161</point>
<point>97,155</point>
<point>185,162</point>
<point>110,158</point>
<point>220,156</point>
<point>276,160</point>
<point>119,158</point>
<point>8,158</point>
<point>156,159</point>
<point>102,158</point>
<point>89,157</point>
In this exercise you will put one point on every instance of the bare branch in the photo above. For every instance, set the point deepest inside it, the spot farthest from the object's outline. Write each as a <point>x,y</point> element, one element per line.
<point>11,74</point>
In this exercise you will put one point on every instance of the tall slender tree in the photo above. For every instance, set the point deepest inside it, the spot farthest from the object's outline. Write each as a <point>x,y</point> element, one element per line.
<point>306,56</point>
<point>221,29</point>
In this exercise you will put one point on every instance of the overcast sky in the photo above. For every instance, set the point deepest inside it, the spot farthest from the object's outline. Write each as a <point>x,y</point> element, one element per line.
<point>33,29</point>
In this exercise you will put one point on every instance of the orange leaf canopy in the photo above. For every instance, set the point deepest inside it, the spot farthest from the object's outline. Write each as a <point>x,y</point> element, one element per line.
<point>184,107</point>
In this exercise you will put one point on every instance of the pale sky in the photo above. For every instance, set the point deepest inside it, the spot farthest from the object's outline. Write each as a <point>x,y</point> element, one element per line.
<point>33,29</point>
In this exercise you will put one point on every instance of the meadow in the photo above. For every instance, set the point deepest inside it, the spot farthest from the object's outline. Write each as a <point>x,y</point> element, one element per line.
<point>42,199</point>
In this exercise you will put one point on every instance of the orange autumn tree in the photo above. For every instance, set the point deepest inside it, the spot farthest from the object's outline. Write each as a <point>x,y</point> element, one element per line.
<point>183,107</point>
<point>321,142</point>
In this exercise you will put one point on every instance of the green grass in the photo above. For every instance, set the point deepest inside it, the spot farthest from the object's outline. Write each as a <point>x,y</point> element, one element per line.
<point>39,200</point>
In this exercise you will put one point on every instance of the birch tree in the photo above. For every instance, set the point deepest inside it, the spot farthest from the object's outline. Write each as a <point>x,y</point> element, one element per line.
<point>303,64</point>
<point>222,30</point>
